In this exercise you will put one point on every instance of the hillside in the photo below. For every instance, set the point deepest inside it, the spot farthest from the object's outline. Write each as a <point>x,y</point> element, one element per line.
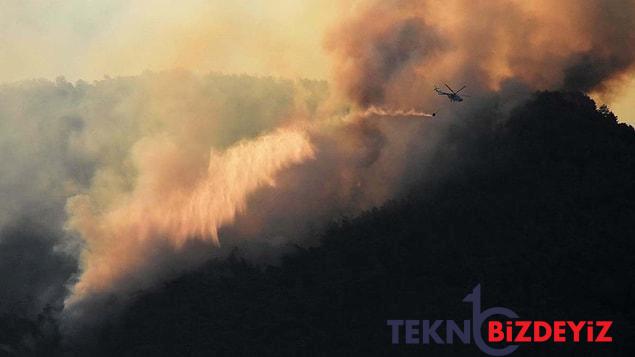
<point>540,212</point>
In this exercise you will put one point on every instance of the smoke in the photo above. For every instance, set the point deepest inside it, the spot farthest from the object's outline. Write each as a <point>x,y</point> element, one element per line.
<point>166,204</point>
<point>171,195</point>
<point>374,55</point>
<point>28,254</point>
<point>153,174</point>
<point>393,52</point>
<point>121,149</point>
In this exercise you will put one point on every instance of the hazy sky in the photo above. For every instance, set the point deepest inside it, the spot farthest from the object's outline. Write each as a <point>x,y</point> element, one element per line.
<point>92,38</point>
<point>88,39</point>
<point>624,104</point>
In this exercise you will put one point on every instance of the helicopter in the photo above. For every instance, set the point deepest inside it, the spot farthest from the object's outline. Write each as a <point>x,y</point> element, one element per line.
<point>452,96</point>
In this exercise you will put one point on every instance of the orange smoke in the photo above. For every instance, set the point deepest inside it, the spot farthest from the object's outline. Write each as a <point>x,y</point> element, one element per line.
<point>391,52</point>
<point>162,207</point>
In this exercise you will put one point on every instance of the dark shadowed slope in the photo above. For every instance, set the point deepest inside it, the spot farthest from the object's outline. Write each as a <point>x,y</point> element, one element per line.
<point>539,210</point>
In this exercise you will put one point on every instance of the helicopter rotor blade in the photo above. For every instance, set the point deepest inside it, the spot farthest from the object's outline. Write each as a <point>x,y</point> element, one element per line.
<point>449,88</point>
<point>460,90</point>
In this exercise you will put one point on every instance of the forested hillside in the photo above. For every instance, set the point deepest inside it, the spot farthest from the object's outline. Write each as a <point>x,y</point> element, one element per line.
<point>540,212</point>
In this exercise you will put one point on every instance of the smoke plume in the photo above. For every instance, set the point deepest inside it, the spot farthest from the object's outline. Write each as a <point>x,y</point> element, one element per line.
<point>165,205</point>
<point>394,52</point>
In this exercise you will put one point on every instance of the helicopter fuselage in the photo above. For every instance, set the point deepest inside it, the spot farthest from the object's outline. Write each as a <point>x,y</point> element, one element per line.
<point>451,96</point>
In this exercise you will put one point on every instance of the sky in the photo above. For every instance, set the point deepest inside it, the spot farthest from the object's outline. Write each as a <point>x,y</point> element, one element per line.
<point>90,39</point>
<point>624,104</point>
